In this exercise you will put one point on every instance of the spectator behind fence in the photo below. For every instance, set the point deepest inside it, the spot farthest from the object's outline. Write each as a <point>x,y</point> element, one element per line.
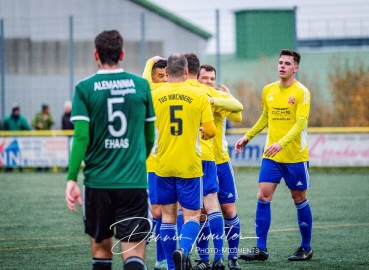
<point>16,121</point>
<point>43,120</point>
<point>66,123</point>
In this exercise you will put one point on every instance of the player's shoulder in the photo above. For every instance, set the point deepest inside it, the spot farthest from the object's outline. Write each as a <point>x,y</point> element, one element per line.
<point>271,85</point>
<point>300,86</point>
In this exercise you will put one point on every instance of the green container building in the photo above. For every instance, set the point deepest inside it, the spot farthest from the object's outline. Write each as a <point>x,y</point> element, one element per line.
<point>264,32</point>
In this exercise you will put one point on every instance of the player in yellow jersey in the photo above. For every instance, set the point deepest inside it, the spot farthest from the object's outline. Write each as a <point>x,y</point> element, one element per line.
<point>212,220</point>
<point>286,107</point>
<point>227,194</point>
<point>156,74</point>
<point>180,110</point>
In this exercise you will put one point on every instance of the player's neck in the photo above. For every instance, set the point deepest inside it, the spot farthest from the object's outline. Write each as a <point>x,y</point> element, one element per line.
<point>288,82</point>
<point>172,79</point>
<point>109,67</point>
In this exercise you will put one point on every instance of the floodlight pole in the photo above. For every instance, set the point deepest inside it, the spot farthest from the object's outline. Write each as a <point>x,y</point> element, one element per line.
<point>217,19</point>
<point>2,67</point>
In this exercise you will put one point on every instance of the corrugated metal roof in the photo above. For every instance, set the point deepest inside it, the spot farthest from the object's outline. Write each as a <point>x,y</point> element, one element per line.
<point>171,17</point>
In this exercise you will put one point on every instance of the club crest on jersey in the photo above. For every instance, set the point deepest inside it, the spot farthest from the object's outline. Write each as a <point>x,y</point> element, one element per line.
<point>291,100</point>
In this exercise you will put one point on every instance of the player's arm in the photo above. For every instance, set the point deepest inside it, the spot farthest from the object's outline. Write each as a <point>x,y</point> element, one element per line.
<point>150,136</point>
<point>225,101</point>
<point>147,70</point>
<point>81,139</point>
<point>298,127</point>
<point>258,127</point>
<point>235,116</point>
<point>208,130</point>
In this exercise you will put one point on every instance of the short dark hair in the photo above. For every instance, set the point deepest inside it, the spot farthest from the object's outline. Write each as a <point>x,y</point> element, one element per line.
<point>193,63</point>
<point>207,68</point>
<point>109,45</point>
<point>296,56</point>
<point>177,64</point>
<point>160,64</point>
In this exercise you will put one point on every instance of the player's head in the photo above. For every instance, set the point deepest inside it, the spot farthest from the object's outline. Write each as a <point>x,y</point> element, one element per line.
<point>177,66</point>
<point>109,48</point>
<point>288,64</point>
<point>207,75</point>
<point>193,64</point>
<point>295,55</point>
<point>159,73</point>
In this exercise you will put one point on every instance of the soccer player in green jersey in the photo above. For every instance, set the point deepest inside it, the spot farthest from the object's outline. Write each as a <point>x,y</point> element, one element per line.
<point>286,107</point>
<point>114,118</point>
<point>181,109</point>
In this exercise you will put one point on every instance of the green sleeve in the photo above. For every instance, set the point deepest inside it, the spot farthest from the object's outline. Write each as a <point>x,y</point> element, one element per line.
<point>81,139</point>
<point>34,121</point>
<point>300,124</point>
<point>259,126</point>
<point>150,136</point>
<point>25,124</point>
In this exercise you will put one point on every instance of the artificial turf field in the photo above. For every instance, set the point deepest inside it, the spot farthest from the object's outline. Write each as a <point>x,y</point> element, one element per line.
<point>38,231</point>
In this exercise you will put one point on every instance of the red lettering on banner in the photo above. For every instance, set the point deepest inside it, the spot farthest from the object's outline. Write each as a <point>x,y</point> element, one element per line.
<point>319,150</point>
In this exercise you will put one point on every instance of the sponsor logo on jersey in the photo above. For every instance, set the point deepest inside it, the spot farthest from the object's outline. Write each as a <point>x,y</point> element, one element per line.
<point>291,100</point>
<point>271,98</point>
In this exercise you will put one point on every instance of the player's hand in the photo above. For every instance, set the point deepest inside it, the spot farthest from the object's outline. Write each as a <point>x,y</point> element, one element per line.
<point>202,133</point>
<point>72,193</point>
<point>240,144</point>
<point>224,88</point>
<point>157,58</point>
<point>273,149</point>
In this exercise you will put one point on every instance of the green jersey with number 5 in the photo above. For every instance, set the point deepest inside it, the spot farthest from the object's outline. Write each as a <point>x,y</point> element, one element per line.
<point>116,104</point>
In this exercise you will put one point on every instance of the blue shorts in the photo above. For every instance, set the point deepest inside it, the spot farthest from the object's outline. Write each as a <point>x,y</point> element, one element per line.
<point>209,179</point>
<point>151,180</point>
<point>227,183</point>
<point>295,175</point>
<point>187,191</point>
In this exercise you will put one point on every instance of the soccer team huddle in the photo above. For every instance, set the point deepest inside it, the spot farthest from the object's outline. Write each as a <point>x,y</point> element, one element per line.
<point>173,122</point>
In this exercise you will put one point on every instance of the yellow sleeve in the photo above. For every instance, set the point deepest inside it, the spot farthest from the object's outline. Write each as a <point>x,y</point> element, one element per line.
<point>230,104</point>
<point>209,129</point>
<point>301,122</point>
<point>235,116</point>
<point>259,126</point>
<point>224,100</point>
<point>147,71</point>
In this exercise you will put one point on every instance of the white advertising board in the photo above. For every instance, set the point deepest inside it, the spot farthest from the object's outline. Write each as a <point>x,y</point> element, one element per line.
<point>325,150</point>
<point>34,151</point>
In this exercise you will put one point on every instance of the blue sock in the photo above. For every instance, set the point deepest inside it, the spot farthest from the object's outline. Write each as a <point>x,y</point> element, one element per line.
<point>159,248</point>
<point>305,220</point>
<point>202,242</point>
<point>262,223</point>
<point>189,233</point>
<point>168,241</point>
<point>217,230</point>
<point>179,222</point>
<point>232,231</point>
